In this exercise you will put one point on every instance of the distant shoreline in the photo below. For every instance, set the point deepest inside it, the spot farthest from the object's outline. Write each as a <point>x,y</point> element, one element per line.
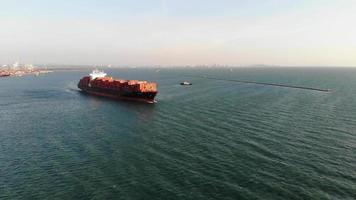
<point>79,68</point>
<point>22,72</point>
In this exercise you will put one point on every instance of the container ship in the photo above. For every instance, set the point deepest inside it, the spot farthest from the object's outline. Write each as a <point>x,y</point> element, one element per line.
<point>97,83</point>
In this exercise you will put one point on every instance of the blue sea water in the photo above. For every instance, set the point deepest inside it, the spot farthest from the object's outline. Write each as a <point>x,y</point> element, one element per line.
<point>212,140</point>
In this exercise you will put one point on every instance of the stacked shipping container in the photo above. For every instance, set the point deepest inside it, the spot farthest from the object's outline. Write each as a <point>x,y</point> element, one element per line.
<point>118,84</point>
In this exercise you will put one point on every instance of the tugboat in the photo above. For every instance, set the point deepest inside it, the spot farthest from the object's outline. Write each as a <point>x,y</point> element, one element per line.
<point>185,83</point>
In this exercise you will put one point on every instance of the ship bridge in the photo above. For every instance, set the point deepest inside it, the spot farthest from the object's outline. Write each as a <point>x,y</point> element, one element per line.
<point>97,74</point>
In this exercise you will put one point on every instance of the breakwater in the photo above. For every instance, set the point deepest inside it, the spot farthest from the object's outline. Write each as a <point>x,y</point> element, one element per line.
<point>264,83</point>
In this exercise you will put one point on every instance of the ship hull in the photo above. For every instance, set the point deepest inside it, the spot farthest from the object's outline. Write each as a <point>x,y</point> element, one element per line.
<point>5,75</point>
<point>147,97</point>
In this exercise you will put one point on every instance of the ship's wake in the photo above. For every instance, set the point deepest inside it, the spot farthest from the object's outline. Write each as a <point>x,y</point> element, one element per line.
<point>71,87</point>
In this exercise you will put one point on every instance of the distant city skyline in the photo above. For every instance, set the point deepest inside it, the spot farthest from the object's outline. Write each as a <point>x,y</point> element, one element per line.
<point>172,32</point>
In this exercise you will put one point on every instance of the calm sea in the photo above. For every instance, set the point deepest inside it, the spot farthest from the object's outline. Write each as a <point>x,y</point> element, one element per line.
<point>212,140</point>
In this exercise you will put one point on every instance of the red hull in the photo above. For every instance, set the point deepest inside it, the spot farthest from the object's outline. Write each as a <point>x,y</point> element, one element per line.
<point>5,75</point>
<point>100,94</point>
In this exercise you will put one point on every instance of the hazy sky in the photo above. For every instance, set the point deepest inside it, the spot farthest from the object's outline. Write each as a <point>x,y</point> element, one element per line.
<point>179,32</point>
